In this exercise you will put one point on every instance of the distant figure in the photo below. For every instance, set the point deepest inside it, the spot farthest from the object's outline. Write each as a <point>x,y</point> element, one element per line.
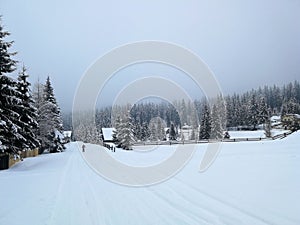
<point>83,148</point>
<point>226,135</point>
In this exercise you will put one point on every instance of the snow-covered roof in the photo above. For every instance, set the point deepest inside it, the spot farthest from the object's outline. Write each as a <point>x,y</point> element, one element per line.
<point>294,115</point>
<point>57,133</point>
<point>108,133</point>
<point>186,127</point>
<point>67,133</point>
<point>275,118</point>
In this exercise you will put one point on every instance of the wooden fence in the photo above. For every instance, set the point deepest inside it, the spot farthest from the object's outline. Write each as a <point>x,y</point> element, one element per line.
<point>14,158</point>
<point>109,146</point>
<point>279,136</point>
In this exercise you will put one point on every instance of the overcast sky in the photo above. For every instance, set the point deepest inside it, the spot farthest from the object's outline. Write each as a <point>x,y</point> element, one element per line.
<point>246,44</point>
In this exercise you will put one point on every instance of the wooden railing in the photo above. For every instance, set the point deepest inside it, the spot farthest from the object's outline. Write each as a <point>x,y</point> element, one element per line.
<point>279,136</point>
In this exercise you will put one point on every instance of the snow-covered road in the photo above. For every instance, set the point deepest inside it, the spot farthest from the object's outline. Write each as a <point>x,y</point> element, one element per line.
<point>249,183</point>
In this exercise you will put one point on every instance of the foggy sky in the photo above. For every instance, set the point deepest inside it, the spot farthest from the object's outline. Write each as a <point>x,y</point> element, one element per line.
<point>246,44</point>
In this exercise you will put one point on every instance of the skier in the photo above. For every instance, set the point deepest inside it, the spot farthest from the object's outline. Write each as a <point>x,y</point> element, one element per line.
<point>83,148</point>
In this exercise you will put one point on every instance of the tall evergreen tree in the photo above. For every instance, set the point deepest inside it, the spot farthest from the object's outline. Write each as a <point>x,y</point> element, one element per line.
<point>28,113</point>
<point>153,135</point>
<point>50,98</point>
<point>125,134</point>
<point>49,119</point>
<point>205,126</point>
<point>172,133</point>
<point>216,123</point>
<point>144,132</point>
<point>10,137</point>
<point>116,131</point>
<point>262,111</point>
<point>253,111</point>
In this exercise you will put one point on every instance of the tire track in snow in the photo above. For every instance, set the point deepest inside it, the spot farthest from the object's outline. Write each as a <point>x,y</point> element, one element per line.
<point>91,198</point>
<point>236,210</point>
<point>59,193</point>
<point>178,211</point>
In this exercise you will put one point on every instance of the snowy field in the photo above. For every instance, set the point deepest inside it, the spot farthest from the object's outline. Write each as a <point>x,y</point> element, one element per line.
<point>247,134</point>
<point>255,134</point>
<point>249,183</point>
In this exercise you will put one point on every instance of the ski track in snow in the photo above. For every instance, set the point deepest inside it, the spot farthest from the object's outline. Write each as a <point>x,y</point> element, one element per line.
<point>61,188</point>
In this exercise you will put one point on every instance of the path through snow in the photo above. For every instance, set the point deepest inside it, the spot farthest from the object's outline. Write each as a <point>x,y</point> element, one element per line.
<point>249,183</point>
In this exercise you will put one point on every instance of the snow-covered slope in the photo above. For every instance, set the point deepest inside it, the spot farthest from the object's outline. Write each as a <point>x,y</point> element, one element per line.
<point>249,183</point>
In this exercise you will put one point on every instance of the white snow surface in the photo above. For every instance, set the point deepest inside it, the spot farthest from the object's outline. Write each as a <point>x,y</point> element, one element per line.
<point>256,133</point>
<point>248,183</point>
<point>247,134</point>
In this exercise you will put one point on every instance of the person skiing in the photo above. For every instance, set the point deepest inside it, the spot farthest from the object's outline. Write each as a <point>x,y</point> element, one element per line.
<point>83,148</point>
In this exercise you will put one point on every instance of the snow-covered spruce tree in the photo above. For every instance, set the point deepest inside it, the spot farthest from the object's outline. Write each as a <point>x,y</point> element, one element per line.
<point>49,119</point>
<point>205,126</point>
<point>37,94</point>
<point>49,97</point>
<point>116,131</point>
<point>144,132</point>
<point>262,111</point>
<point>157,132</point>
<point>28,113</point>
<point>292,106</point>
<point>160,129</point>
<point>218,118</point>
<point>10,138</point>
<point>216,124</point>
<point>137,131</point>
<point>125,133</point>
<point>153,134</point>
<point>253,111</point>
<point>172,133</point>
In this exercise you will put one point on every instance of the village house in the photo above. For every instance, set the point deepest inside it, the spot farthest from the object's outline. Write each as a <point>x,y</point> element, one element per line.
<point>291,121</point>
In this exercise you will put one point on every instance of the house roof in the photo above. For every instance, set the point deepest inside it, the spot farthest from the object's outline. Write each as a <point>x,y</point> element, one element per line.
<point>186,127</point>
<point>275,118</point>
<point>57,133</point>
<point>67,133</point>
<point>294,115</point>
<point>108,133</point>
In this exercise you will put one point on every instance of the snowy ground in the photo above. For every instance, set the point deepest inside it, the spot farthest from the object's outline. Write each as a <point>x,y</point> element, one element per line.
<point>249,183</point>
<point>255,134</point>
<point>247,134</point>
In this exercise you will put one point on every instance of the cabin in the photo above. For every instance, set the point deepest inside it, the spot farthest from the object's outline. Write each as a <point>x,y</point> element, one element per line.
<point>291,121</point>
<point>275,121</point>
<point>67,136</point>
<point>186,132</point>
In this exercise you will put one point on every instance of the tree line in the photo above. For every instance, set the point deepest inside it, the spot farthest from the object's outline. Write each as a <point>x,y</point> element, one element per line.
<point>207,119</point>
<point>28,119</point>
<point>254,107</point>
